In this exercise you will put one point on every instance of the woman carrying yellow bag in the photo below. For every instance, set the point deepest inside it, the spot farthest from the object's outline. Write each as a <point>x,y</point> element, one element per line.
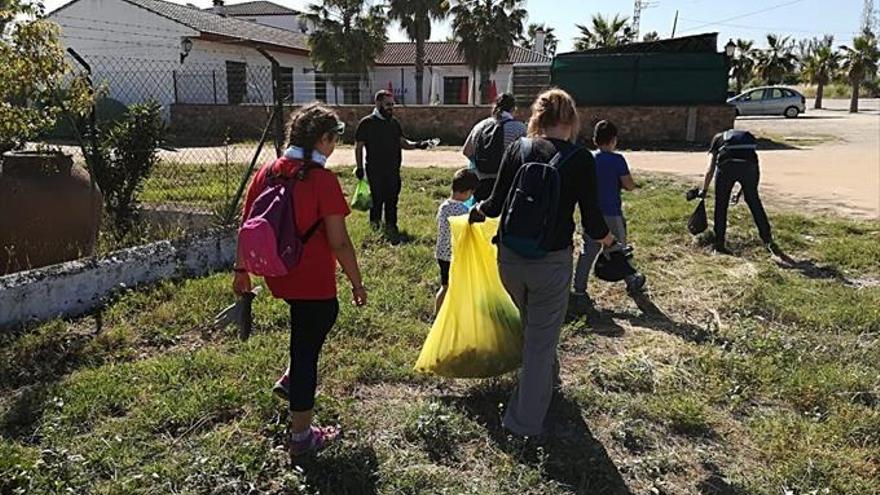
<point>540,181</point>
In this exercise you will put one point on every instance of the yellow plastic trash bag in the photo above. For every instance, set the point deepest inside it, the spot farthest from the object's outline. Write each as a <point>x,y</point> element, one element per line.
<point>478,332</point>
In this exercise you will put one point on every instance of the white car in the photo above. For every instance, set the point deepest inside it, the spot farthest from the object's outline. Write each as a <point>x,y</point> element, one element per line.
<point>770,100</point>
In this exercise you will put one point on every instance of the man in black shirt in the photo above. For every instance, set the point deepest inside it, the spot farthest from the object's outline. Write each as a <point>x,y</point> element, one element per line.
<point>734,159</point>
<point>383,137</point>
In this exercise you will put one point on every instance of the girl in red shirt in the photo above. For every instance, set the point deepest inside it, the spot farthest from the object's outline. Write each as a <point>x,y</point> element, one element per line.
<point>310,287</point>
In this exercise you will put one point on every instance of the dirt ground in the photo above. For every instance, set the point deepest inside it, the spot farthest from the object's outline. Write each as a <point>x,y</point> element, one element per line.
<point>838,170</point>
<point>826,160</point>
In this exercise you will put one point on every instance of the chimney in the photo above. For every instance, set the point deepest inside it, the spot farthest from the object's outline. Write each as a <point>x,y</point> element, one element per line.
<point>539,40</point>
<point>219,8</point>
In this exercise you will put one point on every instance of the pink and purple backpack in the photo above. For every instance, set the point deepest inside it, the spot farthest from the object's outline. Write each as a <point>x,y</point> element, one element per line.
<point>269,238</point>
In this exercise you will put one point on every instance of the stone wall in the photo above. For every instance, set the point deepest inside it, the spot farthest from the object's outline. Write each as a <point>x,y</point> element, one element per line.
<point>638,125</point>
<point>76,287</point>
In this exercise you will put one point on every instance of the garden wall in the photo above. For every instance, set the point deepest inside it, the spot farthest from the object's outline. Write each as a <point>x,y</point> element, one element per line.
<point>210,124</point>
<point>77,287</point>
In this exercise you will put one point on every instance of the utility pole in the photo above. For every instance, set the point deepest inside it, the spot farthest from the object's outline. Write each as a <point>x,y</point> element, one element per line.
<point>674,24</point>
<point>638,6</point>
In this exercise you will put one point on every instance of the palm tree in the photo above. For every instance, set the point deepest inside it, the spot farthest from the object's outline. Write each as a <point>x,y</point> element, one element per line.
<point>820,65</point>
<point>743,63</point>
<point>604,33</point>
<point>415,18</point>
<point>652,36</point>
<point>860,62</point>
<point>486,30</point>
<point>550,39</point>
<point>348,36</point>
<point>777,61</point>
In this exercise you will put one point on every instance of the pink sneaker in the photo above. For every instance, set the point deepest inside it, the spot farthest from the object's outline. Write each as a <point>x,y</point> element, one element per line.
<point>319,437</point>
<point>280,389</point>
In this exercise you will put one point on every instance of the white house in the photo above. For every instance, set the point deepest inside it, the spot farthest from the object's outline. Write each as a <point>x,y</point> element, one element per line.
<point>179,53</point>
<point>173,53</point>
<point>448,80</point>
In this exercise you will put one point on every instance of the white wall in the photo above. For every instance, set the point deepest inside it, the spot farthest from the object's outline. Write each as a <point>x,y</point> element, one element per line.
<point>117,39</point>
<point>383,75</point>
<point>207,63</point>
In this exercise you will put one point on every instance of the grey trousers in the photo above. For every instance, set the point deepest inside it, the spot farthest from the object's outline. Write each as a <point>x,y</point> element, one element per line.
<point>617,226</point>
<point>540,290</point>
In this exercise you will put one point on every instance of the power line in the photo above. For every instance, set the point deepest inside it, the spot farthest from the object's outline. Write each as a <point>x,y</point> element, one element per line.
<point>767,28</point>
<point>747,14</point>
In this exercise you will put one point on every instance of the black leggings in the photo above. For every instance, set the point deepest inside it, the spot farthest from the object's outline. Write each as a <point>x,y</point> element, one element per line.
<point>310,322</point>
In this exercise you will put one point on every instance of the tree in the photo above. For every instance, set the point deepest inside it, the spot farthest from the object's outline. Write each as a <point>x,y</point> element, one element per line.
<point>652,36</point>
<point>820,65</point>
<point>604,33</point>
<point>348,36</point>
<point>550,40</point>
<point>743,63</point>
<point>415,18</point>
<point>859,63</point>
<point>777,61</point>
<point>33,71</point>
<point>486,30</point>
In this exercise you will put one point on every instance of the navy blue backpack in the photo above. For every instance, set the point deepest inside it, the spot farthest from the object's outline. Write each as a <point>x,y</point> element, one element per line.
<point>532,204</point>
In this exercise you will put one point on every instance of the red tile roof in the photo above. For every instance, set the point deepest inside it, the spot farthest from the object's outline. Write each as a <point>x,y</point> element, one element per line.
<point>446,53</point>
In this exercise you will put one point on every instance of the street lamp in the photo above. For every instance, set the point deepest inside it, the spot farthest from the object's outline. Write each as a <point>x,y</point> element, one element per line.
<point>730,49</point>
<point>186,46</point>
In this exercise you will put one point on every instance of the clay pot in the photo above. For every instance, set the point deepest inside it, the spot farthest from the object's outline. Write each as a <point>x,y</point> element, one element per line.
<point>50,211</point>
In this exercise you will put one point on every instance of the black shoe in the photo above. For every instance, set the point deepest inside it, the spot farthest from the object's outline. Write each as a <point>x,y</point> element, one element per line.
<point>636,283</point>
<point>393,234</point>
<point>719,250</point>
<point>580,304</point>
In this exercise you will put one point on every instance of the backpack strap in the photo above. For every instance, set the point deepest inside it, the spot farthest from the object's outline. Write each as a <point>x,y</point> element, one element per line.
<point>525,149</point>
<point>291,182</point>
<point>309,233</point>
<point>562,156</point>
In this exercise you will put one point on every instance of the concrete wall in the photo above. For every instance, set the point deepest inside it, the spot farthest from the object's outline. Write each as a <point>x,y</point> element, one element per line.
<point>638,124</point>
<point>77,287</point>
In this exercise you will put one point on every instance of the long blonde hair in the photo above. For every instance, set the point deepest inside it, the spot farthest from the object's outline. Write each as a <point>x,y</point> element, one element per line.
<point>551,108</point>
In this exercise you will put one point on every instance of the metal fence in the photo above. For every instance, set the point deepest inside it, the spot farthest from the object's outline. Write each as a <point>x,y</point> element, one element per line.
<point>193,187</point>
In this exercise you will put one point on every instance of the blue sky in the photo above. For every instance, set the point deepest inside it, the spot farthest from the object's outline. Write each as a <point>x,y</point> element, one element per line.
<point>751,19</point>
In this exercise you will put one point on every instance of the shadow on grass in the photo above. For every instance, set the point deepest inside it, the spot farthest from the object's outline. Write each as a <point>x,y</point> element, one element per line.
<point>810,269</point>
<point>347,470</point>
<point>715,484</point>
<point>571,455</point>
<point>28,377</point>
<point>20,419</point>
<point>654,318</point>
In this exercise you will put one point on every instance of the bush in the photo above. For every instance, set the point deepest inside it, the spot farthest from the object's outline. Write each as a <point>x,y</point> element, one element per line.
<point>126,155</point>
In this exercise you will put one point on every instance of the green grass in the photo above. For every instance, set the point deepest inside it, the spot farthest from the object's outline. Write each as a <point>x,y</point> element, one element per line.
<point>755,379</point>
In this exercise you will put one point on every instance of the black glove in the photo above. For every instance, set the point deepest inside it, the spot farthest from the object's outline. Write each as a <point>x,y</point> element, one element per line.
<point>359,173</point>
<point>422,145</point>
<point>476,216</point>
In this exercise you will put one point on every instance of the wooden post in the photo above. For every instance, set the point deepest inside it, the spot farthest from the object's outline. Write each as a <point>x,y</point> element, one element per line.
<point>214,82</point>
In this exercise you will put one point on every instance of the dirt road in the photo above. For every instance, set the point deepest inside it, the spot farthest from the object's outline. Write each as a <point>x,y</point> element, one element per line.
<point>838,172</point>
